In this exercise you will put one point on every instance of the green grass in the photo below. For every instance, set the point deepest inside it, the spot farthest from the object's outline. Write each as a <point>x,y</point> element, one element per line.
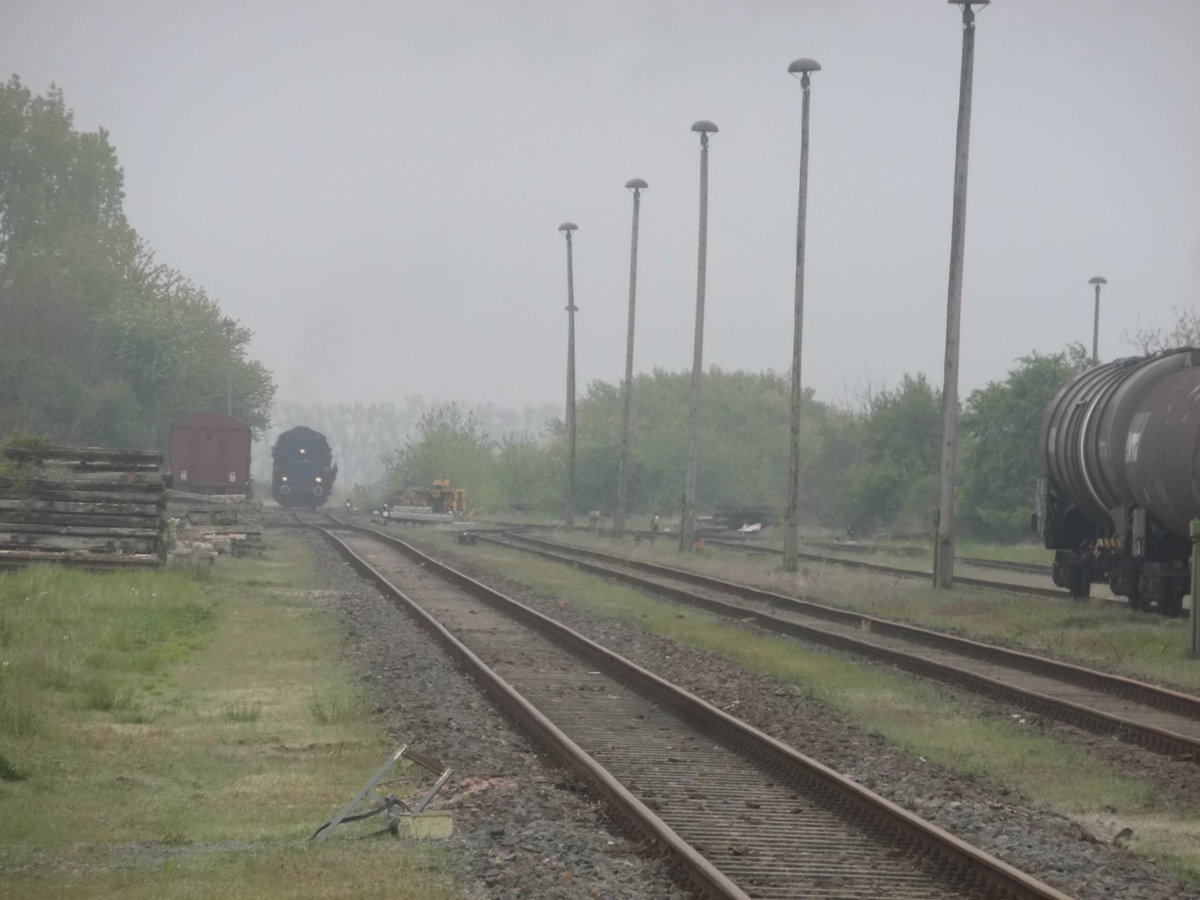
<point>159,737</point>
<point>917,717</point>
<point>1026,552</point>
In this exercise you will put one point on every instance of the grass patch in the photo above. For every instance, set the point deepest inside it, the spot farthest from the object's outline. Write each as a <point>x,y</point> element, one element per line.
<point>334,707</point>
<point>916,716</point>
<point>158,738</point>
<point>243,711</point>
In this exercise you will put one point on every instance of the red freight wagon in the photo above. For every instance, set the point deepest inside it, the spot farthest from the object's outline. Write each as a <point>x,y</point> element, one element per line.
<point>210,454</point>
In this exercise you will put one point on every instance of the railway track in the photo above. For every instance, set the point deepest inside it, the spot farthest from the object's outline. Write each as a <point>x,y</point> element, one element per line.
<point>985,583</point>
<point>842,548</point>
<point>741,814</point>
<point>979,562</point>
<point>1157,718</point>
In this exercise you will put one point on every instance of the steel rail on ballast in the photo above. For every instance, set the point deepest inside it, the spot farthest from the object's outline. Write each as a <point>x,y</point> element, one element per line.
<point>984,583</point>
<point>1128,689</point>
<point>951,850</point>
<point>751,546</point>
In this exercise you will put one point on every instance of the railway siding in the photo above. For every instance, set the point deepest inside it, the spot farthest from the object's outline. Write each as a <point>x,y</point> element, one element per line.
<point>1160,719</point>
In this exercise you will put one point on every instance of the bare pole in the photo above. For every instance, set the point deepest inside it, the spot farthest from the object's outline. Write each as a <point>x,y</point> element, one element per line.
<point>229,326</point>
<point>637,185</point>
<point>687,526</point>
<point>1097,281</point>
<point>791,536</point>
<point>943,545</point>
<point>569,514</point>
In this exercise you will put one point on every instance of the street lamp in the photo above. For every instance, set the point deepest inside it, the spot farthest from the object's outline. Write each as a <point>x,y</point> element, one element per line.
<point>1097,281</point>
<point>687,527</point>
<point>636,185</point>
<point>791,539</point>
<point>943,543</point>
<point>567,228</point>
<point>229,326</point>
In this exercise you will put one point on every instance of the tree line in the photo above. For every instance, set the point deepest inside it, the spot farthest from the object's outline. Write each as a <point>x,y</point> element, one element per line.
<point>101,343</point>
<point>871,467</point>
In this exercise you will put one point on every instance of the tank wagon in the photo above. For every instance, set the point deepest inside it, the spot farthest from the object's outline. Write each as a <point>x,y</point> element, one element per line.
<point>210,454</point>
<point>302,470</point>
<point>1121,450</point>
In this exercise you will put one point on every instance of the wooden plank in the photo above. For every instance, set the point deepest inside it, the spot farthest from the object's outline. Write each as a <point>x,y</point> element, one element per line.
<point>13,559</point>
<point>62,493</point>
<point>104,482</point>
<point>103,455</point>
<point>108,509</point>
<point>106,531</point>
<point>65,519</point>
<point>67,542</point>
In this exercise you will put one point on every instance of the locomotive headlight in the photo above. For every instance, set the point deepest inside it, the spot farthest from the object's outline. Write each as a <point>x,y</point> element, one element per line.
<point>302,451</point>
<point>284,478</point>
<point>318,479</point>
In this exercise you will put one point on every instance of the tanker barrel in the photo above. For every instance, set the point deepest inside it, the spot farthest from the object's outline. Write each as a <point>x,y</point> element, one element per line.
<point>1091,439</point>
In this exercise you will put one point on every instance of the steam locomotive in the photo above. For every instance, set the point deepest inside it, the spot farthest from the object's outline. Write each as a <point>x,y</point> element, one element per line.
<point>302,472</point>
<point>1121,448</point>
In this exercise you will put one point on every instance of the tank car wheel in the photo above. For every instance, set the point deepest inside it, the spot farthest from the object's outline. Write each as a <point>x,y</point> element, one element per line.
<point>1137,601</point>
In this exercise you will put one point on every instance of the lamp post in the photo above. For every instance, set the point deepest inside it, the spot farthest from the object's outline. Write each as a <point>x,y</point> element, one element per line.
<point>636,185</point>
<point>943,544</point>
<point>569,516</point>
<point>687,526</point>
<point>229,326</point>
<point>791,538</point>
<point>1097,280</point>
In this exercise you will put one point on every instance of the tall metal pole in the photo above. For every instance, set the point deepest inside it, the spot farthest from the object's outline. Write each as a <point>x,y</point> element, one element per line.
<point>687,528</point>
<point>943,545</point>
<point>1097,281</point>
<point>637,185</point>
<point>569,514</point>
<point>1195,565</point>
<point>791,536</point>
<point>228,325</point>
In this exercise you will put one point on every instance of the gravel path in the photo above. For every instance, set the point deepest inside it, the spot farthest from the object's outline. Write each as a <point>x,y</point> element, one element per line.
<point>525,833</point>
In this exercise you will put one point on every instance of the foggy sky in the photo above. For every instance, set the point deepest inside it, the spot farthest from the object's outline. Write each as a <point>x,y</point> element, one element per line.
<point>375,188</point>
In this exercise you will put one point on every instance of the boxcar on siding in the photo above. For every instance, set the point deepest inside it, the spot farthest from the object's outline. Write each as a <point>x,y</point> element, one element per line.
<point>210,454</point>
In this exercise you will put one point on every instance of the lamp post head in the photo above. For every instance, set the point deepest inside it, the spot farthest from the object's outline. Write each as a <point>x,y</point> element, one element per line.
<point>969,3</point>
<point>636,184</point>
<point>704,128</point>
<point>1097,280</point>
<point>804,64</point>
<point>804,67</point>
<point>568,227</point>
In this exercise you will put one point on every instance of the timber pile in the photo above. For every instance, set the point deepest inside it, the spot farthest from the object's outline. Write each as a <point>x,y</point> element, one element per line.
<point>82,506</point>
<point>206,525</point>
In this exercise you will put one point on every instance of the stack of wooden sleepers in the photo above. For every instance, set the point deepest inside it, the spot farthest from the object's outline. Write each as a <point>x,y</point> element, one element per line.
<point>82,506</point>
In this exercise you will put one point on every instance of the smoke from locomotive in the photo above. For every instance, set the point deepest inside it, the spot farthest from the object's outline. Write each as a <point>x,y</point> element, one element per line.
<point>1121,447</point>
<point>302,472</point>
